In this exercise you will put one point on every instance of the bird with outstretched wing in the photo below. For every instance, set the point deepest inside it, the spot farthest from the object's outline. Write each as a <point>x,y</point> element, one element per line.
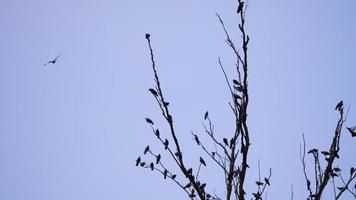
<point>52,61</point>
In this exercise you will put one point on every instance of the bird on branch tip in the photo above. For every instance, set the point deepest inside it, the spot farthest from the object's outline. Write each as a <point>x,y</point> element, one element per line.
<point>352,131</point>
<point>339,106</point>
<point>147,35</point>
<point>202,161</point>
<point>241,5</point>
<point>146,149</point>
<point>138,160</point>
<point>148,120</point>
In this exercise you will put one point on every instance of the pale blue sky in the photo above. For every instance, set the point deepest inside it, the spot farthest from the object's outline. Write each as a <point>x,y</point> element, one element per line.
<point>73,130</point>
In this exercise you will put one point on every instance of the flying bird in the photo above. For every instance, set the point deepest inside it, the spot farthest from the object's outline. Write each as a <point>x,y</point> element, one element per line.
<point>352,130</point>
<point>138,160</point>
<point>52,61</point>
<point>339,106</point>
<point>241,5</point>
<point>202,161</point>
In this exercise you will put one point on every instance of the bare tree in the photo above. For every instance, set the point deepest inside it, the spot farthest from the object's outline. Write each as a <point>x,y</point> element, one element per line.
<point>230,154</point>
<point>328,157</point>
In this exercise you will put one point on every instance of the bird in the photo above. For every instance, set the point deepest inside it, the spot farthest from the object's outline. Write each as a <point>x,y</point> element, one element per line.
<point>267,181</point>
<point>206,115</point>
<point>352,130</point>
<point>187,186</point>
<point>313,150</point>
<point>190,171</point>
<point>202,161</point>
<point>147,35</point>
<point>158,158</point>
<point>166,144</point>
<point>148,120</point>
<point>174,176</point>
<point>241,5</point>
<point>138,160</point>
<point>165,174</point>
<point>152,166</point>
<point>196,139</point>
<point>225,142</point>
<point>339,106</point>
<point>153,91</point>
<point>157,133</point>
<point>146,149</point>
<point>52,61</point>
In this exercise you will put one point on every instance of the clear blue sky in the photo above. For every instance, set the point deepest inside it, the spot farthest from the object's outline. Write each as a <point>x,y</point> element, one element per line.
<point>73,130</point>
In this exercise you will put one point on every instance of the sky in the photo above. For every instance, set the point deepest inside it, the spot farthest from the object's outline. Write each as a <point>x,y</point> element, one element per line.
<point>73,130</point>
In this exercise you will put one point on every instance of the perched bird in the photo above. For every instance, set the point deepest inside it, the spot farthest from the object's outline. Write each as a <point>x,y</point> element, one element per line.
<point>267,181</point>
<point>336,169</point>
<point>152,166</point>
<point>153,91</point>
<point>190,171</point>
<point>166,144</point>
<point>241,5</point>
<point>142,164</point>
<point>339,106</point>
<point>196,139</point>
<point>225,142</point>
<point>202,186</point>
<point>325,153</point>
<point>52,61</point>
<point>352,130</point>
<point>165,174</point>
<point>148,120</point>
<point>147,35</point>
<point>138,160</point>
<point>202,161</point>
<point>146,149</point>
<point>259,183</point>
<point>206,115</point>
<point>174,176</point>
<point>178,154</point>
<point>158,158</point>
<point>166,103</point>
<point>157,133</point>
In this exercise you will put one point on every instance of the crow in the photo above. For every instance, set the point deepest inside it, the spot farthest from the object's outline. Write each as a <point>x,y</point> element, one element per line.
<point>52,61</point>
<point>352,130</point>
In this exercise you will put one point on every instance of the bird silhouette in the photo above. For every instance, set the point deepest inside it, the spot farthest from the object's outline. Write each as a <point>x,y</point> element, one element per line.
<point>138,160</point>
<point>146,149</point>
<point>241,5</point>
<point>202,161</point>
<point>148,120</point>
<point>206,115</point>
<point>52,61</point>
<point>174,176</point>
<point>154,93</point>
<point>352,130</point>
<point>147,35</point>
<point>158,158</point>
<point>165,174</point>
<point>152,166</point>
<point>157,133</point>
<point>196,139</point>
<point>339,106</point>
<point>267,181</point>
<point>166,144</point>
<point>225,142</point>
<point>187,186</point>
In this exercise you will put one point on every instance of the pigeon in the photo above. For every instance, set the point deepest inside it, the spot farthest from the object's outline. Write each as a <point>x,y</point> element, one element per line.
<point>52,61</point>
<point>202,161</point>
<point>352,130</point>
<point>138,160</point>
